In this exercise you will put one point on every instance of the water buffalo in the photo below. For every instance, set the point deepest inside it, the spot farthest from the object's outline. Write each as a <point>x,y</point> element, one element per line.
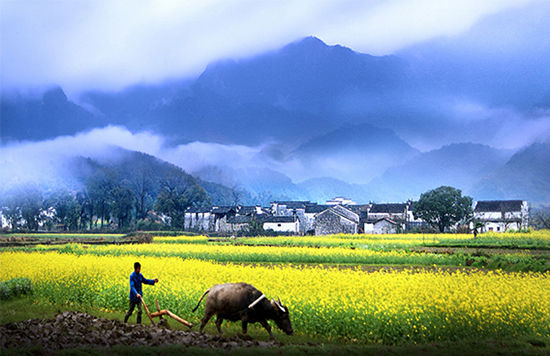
<point>241,301</point>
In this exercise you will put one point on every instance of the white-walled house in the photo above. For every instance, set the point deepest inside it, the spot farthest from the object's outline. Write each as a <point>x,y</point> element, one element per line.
<point>308,222</point>
<point>501,215</point>
<point>393,211</point>
<point>289,224</point>
<point>383,226</point>
<point>336,219</point>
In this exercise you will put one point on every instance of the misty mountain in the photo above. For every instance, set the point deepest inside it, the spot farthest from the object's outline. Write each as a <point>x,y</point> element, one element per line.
<point>323,189</point>
<point>340,122</point>
<point>307,75</point>
<point>256,185</point>
<point>142,169</point>
<point>364,151</point>
<point>458,165</point>
<point>525,176</point>
<point>291,94</point>
<point>429,95</point>
<point>36,117</point>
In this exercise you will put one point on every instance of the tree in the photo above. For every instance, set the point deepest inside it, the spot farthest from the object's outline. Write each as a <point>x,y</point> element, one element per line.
<point>177,194</point>
<point>123,202</point>
<point>256,226</point>
<point>142,185</point>
<point>443,207</point>
<point>11,209</point>
<point>30,201</point>
<point>540,218</point>
<point>67,209</point>
<point>99,187</point>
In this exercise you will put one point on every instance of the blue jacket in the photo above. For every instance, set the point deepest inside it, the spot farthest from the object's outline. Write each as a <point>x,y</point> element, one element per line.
<point>135,285</point>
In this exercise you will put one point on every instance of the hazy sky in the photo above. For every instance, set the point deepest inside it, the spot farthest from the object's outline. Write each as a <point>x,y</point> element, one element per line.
<point>83,44</point>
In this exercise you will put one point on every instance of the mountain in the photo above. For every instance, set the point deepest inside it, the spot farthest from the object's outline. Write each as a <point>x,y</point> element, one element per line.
<point>334,119</point>
<point>458,165</point>
<point>288,95</point>
<point>140,169</point>
<point>323,189</point>
<point>306,75</point>
<point>256,185</point>
<point>525,176</point>
<point>360,152</point>
<point>37,117</point>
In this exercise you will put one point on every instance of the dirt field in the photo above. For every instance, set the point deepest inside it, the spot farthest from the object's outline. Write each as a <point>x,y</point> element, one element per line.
<point>76,330</point>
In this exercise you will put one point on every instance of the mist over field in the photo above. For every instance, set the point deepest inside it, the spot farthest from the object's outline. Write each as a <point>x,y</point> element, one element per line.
<point>376,101</point>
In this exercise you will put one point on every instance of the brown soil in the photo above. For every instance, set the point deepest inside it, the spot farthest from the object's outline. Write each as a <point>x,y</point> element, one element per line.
<point>476,250</point>
<point>76,330</point>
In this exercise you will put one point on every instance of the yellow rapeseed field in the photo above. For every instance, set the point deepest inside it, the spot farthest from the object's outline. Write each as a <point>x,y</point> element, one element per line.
<point>350,304</point>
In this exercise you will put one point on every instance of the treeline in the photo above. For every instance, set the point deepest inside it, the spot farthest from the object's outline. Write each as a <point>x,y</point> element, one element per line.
<point>117,196</point>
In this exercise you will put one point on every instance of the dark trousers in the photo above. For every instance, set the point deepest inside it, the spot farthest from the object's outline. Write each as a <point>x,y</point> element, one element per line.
<point>131,310</point>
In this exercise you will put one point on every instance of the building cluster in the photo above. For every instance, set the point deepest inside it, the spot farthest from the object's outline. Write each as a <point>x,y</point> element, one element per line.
<point>343,216</point>
<point>337,216</point>
<point>304,217</point>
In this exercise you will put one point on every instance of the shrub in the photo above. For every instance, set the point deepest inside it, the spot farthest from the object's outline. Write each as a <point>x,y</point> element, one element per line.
<point>14,287</point>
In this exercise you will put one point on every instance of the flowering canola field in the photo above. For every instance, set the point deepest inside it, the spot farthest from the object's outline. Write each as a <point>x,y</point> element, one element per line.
<point>276,254</point>
<point>532,239</point>
<point>336,304</point>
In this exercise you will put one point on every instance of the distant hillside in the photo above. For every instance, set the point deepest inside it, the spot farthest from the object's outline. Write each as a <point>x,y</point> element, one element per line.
<point>323,189</point>
<point>525,176</point>
<point>43,116</point>
<point>143,169</point>
<point>458,165</point>
<point>306,75</point>
<point>256,185</point>
<point>359,152</point>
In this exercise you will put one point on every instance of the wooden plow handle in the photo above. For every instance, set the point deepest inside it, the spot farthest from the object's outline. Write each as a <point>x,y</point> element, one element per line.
<point>159,313</point>
<point>147,310</point>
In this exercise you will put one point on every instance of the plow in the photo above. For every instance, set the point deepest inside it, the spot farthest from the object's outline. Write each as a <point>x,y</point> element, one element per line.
<point>160,313</point>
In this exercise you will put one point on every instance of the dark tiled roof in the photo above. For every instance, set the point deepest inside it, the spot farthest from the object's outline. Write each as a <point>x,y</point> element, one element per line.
<point>223,209</point>
<point>345,212</point>
<point>386,219</point>
<point>198,210</point>
<point>360,210</point>
<point>388,208</point>
<point>247,210</point>
<point>314,209</point>
<point>298,204</point>
<point>239,219</point>
<point>279,219</point>
<point>498,205</point>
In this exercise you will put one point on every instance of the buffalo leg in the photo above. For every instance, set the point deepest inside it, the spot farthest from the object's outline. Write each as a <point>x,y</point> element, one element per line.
<point>205,319</point>
<point>219,321</point>
<point>245,327</point>
<point>268,328</point>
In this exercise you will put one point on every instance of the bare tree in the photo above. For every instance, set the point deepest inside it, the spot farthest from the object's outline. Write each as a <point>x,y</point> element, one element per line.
<point>540,217</point>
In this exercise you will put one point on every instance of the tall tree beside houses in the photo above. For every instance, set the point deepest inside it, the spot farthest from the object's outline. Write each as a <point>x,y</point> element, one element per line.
<point>176,195</point>
<point>443,207</point>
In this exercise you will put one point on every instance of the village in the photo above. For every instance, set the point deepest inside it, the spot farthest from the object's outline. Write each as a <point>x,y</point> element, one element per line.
<point>343,216</point>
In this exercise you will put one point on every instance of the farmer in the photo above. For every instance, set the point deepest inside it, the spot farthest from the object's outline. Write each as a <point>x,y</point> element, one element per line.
<point>136,278</point>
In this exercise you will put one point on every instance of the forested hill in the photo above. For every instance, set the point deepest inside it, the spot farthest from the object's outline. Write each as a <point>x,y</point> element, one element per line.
<point>145,175</point>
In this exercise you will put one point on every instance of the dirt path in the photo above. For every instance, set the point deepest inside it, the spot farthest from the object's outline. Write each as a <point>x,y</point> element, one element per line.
<point>75,330</point>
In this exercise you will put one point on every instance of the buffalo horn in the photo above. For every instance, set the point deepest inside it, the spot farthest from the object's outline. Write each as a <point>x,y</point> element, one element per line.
<point>279,305</point>
<point>256,301</point>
